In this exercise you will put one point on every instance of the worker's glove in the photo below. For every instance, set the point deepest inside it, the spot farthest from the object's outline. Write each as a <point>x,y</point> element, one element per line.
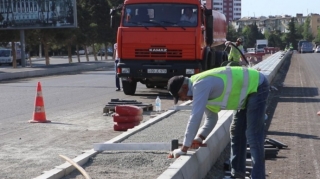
<point>198,139</point>
<point>196,143</point>
<point>227,43</point>
<point>177,152</point>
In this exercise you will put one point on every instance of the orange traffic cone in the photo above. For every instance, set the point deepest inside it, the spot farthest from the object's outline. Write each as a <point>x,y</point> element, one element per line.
<point>39,115</point>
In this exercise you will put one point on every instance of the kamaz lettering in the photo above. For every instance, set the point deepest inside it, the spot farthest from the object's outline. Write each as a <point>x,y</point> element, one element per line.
<point>157,50</point>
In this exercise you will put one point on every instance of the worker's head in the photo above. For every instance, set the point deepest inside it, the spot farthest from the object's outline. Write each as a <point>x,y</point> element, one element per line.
<point>188,11</point>
<point>239,41</point>
<point>178,88</point>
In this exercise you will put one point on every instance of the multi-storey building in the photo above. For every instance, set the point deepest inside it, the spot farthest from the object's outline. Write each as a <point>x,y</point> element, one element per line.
<point>315,24</point>
<point>230,8</point>
<point>280,23</point>
<point>34,13</point>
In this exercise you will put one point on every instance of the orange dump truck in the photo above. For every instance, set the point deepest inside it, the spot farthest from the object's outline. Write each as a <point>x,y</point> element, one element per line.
<point>158,39</point>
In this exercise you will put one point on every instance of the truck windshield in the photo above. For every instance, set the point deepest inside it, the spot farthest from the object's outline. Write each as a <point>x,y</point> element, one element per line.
<point>4,53</point>
<point>160,15</point>
<point>261,46</point>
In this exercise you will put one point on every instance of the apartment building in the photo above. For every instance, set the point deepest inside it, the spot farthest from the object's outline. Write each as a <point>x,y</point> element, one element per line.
<point>230,8</point>
<point>280,23</point>
<point>315,23</point>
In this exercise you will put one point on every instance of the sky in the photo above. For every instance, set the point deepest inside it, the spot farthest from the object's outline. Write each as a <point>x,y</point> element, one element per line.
<point>278,7</point>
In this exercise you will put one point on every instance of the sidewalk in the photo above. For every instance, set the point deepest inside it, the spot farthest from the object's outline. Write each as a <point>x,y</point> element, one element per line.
<point>58,65</point>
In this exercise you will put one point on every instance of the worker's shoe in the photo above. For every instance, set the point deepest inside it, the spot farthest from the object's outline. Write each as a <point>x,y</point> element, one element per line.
<point>118,89</point>
<point>238,175</point>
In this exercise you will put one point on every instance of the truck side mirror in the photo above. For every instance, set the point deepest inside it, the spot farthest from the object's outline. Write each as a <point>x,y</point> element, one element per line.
<point>209,30</point>
<point>112,13</point>
<point>208,12</point>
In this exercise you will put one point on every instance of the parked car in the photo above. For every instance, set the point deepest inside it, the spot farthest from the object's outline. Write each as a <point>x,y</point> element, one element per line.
<point>251,50</point>
<point>317,50</point>
<point>82,52</point>
<point>300,44</point>
<point>307,47</point>
<point>101,52</point>
<point>110,51</point>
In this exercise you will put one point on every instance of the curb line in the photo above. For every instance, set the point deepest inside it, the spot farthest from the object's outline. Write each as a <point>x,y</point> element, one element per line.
<point>195,164</point>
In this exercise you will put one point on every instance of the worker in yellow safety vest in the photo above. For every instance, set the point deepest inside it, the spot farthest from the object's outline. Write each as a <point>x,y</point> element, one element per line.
<point>244,90</point>
<point>234,54</point>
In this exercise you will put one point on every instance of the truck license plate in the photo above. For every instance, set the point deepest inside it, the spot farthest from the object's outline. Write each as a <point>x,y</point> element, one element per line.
<point>157,70</point>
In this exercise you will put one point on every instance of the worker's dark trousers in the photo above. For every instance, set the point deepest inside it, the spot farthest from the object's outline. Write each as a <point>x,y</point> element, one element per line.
<point>248,126</point>
<point>117,78</point>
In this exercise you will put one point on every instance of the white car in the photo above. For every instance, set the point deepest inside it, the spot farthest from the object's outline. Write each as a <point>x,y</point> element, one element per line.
<point>317,50</point>
<point>251,50</point>
<point>81,52</point>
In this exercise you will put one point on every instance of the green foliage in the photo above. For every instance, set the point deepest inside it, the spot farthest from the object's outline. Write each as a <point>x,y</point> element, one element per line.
<point>232,34</point>
<point>317,39</point>
<point>274,39</point>
<point>292,37</point>
<point>93,21</point>
<point>296,32</point>
<point>307,30</point>
<point>251,33</point>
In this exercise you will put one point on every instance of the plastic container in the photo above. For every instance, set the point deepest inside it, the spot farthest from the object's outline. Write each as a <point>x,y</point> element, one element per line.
<point>158,104</point>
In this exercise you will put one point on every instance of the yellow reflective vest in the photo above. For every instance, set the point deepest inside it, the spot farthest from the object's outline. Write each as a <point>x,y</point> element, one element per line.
<point>234,54</point>
<point>239,82</point>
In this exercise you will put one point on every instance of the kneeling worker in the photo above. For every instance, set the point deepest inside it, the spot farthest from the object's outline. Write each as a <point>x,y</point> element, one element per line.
<point>242,89</point>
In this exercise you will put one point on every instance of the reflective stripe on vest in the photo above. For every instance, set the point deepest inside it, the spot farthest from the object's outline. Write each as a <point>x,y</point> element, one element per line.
<point>243,94</point>
<point>238,83</point>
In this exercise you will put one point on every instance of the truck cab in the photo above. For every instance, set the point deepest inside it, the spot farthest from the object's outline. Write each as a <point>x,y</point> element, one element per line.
<point>160,39</point>
<point>6,56</point>
<point>261,44</point>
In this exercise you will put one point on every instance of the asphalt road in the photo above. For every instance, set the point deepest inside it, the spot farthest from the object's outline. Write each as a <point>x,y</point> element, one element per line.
<point>294,119</point>
<point>74,104</point>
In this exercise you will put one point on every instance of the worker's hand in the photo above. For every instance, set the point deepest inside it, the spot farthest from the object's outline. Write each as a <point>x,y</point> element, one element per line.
<point>227,43</point>
<point>196,143</point>
<point>198,139</point>
<point>177,153</point>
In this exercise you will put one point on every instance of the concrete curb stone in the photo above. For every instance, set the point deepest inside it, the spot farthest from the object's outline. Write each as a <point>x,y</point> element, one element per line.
<point>195,164</point>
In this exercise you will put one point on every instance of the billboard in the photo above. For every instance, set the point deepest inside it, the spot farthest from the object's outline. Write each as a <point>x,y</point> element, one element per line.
<point>37,14</point>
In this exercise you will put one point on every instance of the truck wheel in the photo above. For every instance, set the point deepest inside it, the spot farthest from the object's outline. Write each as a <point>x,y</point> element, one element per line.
<point>149,86</point>
<point>160,86</point>
<point>204,64</point>
<point>211,59</point>
<point>129,87</point>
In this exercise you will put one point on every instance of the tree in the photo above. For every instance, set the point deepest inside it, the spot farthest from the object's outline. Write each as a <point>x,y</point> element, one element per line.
<point>65,38</point>
<point>251,33</point>
<point>274,39</point>
<point>10,36</point>
<point>307,35</point>
<point>232,34</point>
<point>47,39</point>
<point>291,37</point>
